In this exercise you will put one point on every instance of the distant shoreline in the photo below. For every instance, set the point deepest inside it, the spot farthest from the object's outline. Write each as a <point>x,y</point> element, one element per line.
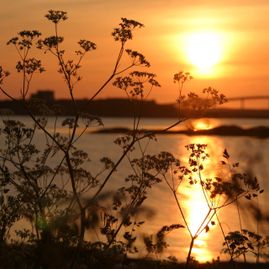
<point>121,108</point>
<point>225,130</point>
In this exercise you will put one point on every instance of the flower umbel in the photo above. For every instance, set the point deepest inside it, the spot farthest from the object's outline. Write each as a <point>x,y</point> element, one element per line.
<point>56,16</point>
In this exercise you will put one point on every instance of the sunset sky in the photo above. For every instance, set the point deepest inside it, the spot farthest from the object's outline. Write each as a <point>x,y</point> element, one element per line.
<point>232,56</point>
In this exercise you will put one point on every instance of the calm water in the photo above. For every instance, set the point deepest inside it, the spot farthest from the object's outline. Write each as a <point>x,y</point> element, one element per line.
<point>252,153</point>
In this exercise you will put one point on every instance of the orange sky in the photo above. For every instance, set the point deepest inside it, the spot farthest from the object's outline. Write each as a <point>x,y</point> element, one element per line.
<point>243,26</point>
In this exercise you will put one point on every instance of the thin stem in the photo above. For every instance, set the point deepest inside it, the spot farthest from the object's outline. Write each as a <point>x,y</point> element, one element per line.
<point>189,253</point>
<point>111,76</point>
<point>135,139</point>
<point>224,237</point>
<point>114,169</point>
<point>182,214</point>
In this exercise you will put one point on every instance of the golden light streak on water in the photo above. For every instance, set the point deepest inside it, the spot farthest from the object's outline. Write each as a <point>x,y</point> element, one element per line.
<point>201,251</point>
<point>197,209</point>
<point>196,206</point>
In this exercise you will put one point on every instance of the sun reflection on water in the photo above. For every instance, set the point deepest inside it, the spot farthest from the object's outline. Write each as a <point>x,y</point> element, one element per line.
<point>202,124</point>
<point>195,206</point>
<point>201,251</point>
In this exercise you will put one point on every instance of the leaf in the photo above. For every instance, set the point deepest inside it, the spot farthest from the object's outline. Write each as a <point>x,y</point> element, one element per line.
<point>218,179</point>
<point>91,120</point>
<point>226,154</point>
<point>250,246</point>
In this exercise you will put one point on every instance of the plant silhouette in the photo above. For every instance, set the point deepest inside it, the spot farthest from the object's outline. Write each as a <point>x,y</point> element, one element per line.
<point>74,219</point>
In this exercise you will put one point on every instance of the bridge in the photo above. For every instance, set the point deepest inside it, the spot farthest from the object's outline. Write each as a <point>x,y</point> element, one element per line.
<point>243,99</point>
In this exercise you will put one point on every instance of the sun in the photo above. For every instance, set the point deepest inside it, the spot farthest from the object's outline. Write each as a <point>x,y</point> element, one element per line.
<point>203,50</point>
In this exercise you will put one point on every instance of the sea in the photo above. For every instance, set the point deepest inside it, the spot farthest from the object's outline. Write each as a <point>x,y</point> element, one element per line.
<point>251,153</point>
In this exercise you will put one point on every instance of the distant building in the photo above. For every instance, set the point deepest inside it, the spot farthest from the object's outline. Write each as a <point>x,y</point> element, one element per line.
<point>47,95</point>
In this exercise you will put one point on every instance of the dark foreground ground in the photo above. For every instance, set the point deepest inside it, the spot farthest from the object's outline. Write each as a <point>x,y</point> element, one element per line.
<point>43,256</point>
<point>216,265</point>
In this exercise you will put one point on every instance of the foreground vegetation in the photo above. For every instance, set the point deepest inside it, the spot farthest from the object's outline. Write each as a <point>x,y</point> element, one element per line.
<point>73,220</point>
<point>25,257</point>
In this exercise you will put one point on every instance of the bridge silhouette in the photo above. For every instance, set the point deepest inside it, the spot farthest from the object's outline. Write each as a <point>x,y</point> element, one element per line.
<point>243,99</point>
